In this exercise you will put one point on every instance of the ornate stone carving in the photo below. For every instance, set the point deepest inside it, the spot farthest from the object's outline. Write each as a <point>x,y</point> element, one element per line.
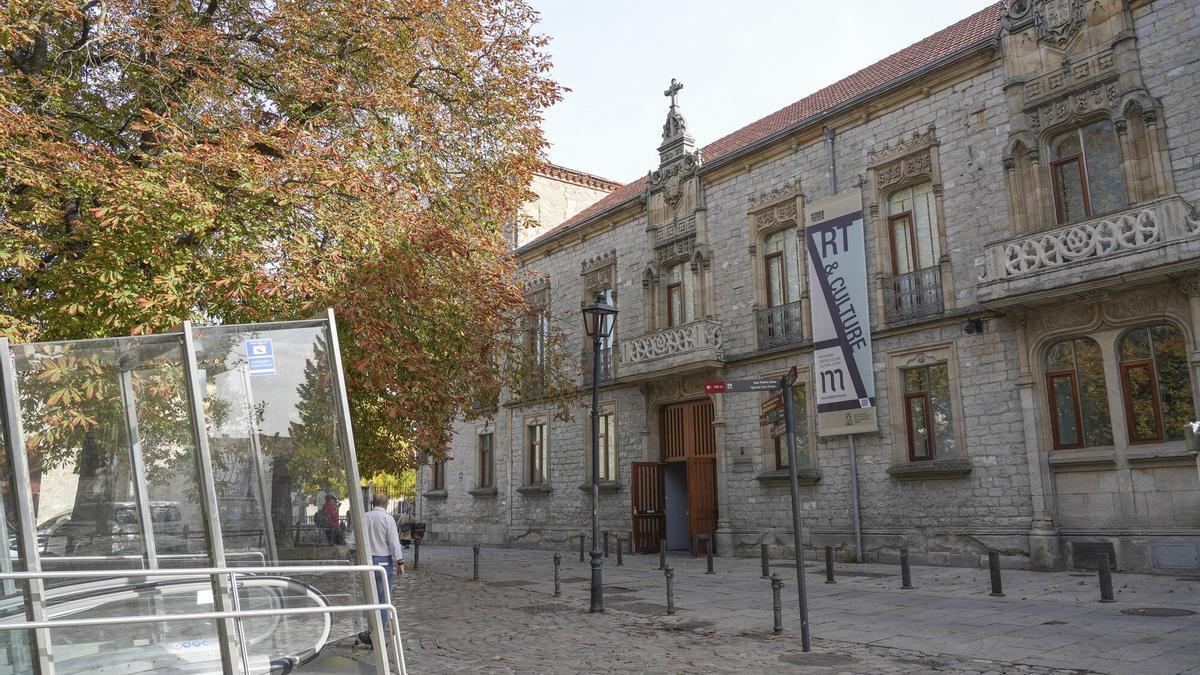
<point>600,279</point>
<point>1070,316</point>
<point>1135,306</point>
<point>1190,286</point>
<point>690,337</point>
<point>675,250</point>
<point>597,261</point>
<point>785,213</point>
<point>1010,163</point>
<point>1097,97</point>
<point>909,167</point>
<point>675,229</point>
<point>1058,82</point>
<point>1058,21</point>
<point>788,190</point>
<point>1132,229</point>
<point>1016,14</point>
<point>903,146</point>
<point>536,283</point>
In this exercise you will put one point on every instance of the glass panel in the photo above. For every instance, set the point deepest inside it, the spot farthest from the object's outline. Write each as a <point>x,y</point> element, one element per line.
<point>918,439</point>
<point>773,243</point>
<point>916,379</point>
<point>1065,145</point>
<point>1174,383</point>
<point>675,315</point>
<point>904,257</point>
<point>1070,192</point>
<point>1060,356</point>
<point>1139,392</point>
<point>1106,184</point>
<point>15,645</point>
<point>1063,395</point>
<point>899,202</point>
<point>941,416</point>
<point>1097,427</point>
<point>1135,345</point>
<point>928,247</point>
<point>776,284</point>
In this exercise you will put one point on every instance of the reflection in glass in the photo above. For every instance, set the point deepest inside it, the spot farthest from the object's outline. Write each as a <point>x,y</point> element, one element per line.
<point>1078,397</point>
<point>1158,387</point>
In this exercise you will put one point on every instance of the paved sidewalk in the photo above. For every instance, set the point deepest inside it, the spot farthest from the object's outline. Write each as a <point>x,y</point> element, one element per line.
<point>1048,622</point>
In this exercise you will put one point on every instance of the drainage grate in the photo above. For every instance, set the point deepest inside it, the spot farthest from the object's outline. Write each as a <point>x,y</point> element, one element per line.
<point>621,598</point>
<point>510,583</point>
<point>810,659</point>
<point>1157,611</point>
<point>543,609</point>
<point>648,608</point>
<point>619,589</point>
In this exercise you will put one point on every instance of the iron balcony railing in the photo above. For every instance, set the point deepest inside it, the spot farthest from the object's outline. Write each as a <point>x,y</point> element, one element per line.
<point>778,326</point>
<point>913,295</point>
<point>606,365</point>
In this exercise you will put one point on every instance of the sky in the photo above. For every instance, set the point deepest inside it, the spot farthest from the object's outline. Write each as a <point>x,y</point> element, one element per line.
<point>738,60</point>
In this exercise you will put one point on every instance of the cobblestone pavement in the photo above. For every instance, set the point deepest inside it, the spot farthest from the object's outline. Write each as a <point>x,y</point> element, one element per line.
<point>1047,622</point>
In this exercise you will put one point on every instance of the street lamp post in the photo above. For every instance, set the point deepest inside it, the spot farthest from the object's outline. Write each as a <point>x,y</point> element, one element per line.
<point>598,320</point>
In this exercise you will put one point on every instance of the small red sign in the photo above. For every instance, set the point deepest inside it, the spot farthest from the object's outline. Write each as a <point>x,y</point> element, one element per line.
<point>714,387</point>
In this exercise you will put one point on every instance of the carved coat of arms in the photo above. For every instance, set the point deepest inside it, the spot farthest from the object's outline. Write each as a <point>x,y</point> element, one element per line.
<point>1058,21</point>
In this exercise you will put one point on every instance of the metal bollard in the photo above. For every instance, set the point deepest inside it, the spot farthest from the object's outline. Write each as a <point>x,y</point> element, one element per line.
<point>475,567</point>
<point>708,547</point>
<point>670,574</point>
<point>581,538</point>
<point>829,565</point>
<point>766,564</point>
<point>416,554</point>
<point>1106,587</point>
<point>606,543</point>
<point>905,573</point>
<point>662,554</point>
<point>557,562</point>
<point>776,604</point>
<point>994,568</point>
<point>620,560</point>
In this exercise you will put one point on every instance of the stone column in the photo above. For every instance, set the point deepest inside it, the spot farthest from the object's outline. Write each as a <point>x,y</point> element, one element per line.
<point>1191,288</point>
<point>1129,163</point>
<point>946,275</point>
<point>1044,547</point>
<point>1160,164</point>
<point>1042,215</point>
<point>1016,209</point>
<point>724,533</point>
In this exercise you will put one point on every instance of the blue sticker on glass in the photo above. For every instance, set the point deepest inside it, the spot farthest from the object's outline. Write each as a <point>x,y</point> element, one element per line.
<point>260,357</point>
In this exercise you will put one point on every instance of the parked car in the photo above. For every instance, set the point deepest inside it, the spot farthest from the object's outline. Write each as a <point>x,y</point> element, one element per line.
<point>65,535</point>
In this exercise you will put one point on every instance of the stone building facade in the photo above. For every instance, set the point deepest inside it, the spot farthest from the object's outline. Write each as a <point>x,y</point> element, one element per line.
<point>560,193</point>
<point>1027,179</point>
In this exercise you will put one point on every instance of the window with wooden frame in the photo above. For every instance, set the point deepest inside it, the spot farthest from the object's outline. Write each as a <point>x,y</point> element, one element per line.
<point>927,410</point>
<point>487,460</point>
<point>1155,383</point>
<point>1085,172</point>
<point>1077,394</point>
<point>538,335</point>
<point>437,478</point>
<point>679,295</point>
<point>803,456</point>
<point>913,229</point>
<point>537,454</point>
<point>780,259</point>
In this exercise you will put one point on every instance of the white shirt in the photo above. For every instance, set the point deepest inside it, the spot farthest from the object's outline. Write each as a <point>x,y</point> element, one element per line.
<point>382,536</point>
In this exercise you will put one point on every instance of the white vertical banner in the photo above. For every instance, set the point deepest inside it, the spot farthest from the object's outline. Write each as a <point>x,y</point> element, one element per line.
<point>843,367</point>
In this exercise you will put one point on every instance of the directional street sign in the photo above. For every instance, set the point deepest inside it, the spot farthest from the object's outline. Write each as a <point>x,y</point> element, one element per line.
<point>773,417</point>
<point>733,386</point>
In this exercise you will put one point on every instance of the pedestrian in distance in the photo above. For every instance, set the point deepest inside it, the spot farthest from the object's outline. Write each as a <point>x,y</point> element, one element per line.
<point>328,520</point>
<point>383,548</point>
<point>406,522</point>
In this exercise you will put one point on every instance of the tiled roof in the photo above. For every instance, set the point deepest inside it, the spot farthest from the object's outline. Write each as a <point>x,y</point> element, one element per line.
<point>975,29</point>
<point>578,177</point>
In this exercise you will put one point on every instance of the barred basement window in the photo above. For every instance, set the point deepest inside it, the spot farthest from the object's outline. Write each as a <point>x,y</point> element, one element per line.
<point>1155,383</point>
<point>1077,394</point>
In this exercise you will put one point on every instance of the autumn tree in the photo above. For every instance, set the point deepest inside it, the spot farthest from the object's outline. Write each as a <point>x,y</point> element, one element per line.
<point>249,160</point>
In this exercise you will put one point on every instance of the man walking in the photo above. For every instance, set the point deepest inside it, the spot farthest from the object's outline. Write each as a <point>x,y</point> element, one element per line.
<point>383,546</point>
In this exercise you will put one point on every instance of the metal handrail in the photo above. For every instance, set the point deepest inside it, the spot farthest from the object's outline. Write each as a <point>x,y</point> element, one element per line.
<point>384,604</point>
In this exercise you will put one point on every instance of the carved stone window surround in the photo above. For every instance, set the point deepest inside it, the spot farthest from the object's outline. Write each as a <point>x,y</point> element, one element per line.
<point>915,357</point>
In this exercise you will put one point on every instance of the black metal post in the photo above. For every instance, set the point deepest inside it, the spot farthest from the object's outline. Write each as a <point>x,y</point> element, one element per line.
<point>662,554</point>
<point>708,555</point>
<point>777,603</point>
<point>670,574</point>
<point>620,560</point>
<point>789,416</point>
<point>475,567</point>
<point>582,539</point>
<point>1106,587</point>
<point>557,562</point>
<point>606,543</point>
<point>416,554</point>
<point>597,604</point>
<point>994,568</point>
<point>766,564</point>
<point>905,573</point>
<point>829,565</point>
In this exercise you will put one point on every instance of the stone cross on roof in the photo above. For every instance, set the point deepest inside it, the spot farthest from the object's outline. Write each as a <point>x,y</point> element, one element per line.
<point>672,90</point>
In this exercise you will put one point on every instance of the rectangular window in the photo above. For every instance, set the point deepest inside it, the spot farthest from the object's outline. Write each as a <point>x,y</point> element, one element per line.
<point>438,480</point>
<point>903,249</point>
<point>538,456</point>
<point>803,458</point>
<point>487,461</point>
<point>1141,402</point>
<point>1064,410</point>
<point>675,310</point>
<point>776,280</point>
<point>927,413</point>
<point>608,448</point>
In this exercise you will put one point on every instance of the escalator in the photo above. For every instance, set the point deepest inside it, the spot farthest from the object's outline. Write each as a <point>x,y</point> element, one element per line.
<point>275,645</point>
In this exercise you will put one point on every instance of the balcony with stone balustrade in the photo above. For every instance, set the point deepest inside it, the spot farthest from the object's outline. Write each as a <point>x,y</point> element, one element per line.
<point>692,346</point>
<point>1145,243</point>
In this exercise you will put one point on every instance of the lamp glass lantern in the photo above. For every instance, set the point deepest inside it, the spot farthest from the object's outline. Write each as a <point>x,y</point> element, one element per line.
<point>599,317</point>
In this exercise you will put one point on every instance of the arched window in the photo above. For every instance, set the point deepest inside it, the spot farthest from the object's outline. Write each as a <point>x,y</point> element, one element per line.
<point>679,295</point>
<point>1085,166</point>
<point>1155,383</point>
<point>913,228</point>
<point>780,259</point>
<point>1078,398</point>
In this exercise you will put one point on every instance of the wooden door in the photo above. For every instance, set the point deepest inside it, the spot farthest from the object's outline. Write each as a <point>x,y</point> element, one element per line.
<point>702,496</point>
<point>647,493</point>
